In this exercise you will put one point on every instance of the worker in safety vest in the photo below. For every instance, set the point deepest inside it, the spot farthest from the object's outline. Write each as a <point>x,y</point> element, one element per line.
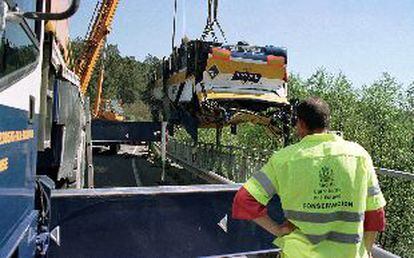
<point>328,189</point>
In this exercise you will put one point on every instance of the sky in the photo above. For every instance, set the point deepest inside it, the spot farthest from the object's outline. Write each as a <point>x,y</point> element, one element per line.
<point>360,38</point>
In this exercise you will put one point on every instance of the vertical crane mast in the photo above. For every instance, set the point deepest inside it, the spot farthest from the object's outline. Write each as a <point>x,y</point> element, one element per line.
<point>98,98</point>
<point>95,42</point>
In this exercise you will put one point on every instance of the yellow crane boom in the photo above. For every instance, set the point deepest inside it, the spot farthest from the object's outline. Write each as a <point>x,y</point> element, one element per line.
<point>98,98</point>
<point>95,42</point>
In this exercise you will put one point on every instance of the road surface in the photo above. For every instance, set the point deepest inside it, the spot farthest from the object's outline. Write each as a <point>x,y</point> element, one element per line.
<point>132,166</point>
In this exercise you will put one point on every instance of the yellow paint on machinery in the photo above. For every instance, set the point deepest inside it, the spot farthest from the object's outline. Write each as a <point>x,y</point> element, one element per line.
<point>4,164</point>
<point>15,136</point>
<point>271,97</point>
<point>95,42</point>
<point>98,98</point>
<point>111,116</point>
<point>247,117</point>
<point>231,66</point>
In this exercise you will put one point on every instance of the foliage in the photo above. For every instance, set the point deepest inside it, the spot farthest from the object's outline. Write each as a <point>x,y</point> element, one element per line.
<point>125,79</point>
<point>137,111</point>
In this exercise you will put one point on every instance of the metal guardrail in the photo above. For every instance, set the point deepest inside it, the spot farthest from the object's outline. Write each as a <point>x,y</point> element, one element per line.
<point>395,173</point>
<point>237,163</point>
<point>208,175</point>
<point>234,163</point>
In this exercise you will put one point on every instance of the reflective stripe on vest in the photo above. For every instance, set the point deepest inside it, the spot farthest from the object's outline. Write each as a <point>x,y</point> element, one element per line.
<point>335,237</point>
<point>317,217</point>
<point>265,182</point>
<point>374,190</point>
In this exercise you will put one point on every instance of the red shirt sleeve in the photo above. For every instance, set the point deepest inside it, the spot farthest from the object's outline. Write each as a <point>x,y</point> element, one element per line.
<point>246,207</point>
<point>374,220</point>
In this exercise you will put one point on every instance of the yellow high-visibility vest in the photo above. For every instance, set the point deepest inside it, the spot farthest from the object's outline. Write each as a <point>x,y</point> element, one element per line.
<point>325,185</point>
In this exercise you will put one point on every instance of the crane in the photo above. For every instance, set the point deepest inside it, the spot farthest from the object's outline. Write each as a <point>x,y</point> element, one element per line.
<point>95,41</point>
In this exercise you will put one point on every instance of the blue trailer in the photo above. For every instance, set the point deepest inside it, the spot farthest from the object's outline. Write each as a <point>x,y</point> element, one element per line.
<point>164,221</point>
<point>35,88</point>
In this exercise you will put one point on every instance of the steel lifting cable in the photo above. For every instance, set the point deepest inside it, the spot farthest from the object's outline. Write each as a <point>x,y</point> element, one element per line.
<point>174,25</point>
<point>184,19</point>
<point>212,9</point>
<point>208,28</point>
<point>215,21</point>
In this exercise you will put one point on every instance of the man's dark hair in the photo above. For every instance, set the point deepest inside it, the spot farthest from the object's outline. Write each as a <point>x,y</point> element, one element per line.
<point>314,112</point>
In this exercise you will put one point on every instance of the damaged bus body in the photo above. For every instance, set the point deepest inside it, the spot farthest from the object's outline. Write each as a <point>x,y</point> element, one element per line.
<point>208,84</point>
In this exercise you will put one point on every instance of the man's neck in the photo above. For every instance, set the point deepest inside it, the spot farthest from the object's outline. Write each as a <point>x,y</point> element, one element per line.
<point>318,130</point>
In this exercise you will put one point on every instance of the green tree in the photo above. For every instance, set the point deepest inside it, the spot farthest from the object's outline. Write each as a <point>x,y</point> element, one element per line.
<point>125,79</point>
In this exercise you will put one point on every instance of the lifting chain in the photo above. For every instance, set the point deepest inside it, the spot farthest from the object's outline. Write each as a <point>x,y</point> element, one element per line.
<point>174,25</point>
<point>212,7</point>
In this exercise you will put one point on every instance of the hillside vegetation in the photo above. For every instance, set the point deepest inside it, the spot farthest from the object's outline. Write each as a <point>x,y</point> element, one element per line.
<point>125,80</point>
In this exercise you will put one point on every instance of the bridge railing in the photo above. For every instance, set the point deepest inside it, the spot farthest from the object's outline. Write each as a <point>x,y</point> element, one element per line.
<point>239,163</point>
<point>232,162</point>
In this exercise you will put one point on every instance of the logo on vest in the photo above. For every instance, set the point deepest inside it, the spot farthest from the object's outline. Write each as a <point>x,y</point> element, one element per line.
<point>326,177</point>
<point>327,194</point>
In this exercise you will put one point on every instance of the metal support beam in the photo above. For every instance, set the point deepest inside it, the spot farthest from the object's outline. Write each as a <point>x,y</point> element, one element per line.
<point>89,152</point>
<point>163,148</point>
<point>107,132</point>
<point>219,131</point>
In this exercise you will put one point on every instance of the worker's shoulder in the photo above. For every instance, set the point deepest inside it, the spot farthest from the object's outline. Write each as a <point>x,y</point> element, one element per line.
<point>353,148</point>
<point>286,153</point>
<point>337,147</point>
